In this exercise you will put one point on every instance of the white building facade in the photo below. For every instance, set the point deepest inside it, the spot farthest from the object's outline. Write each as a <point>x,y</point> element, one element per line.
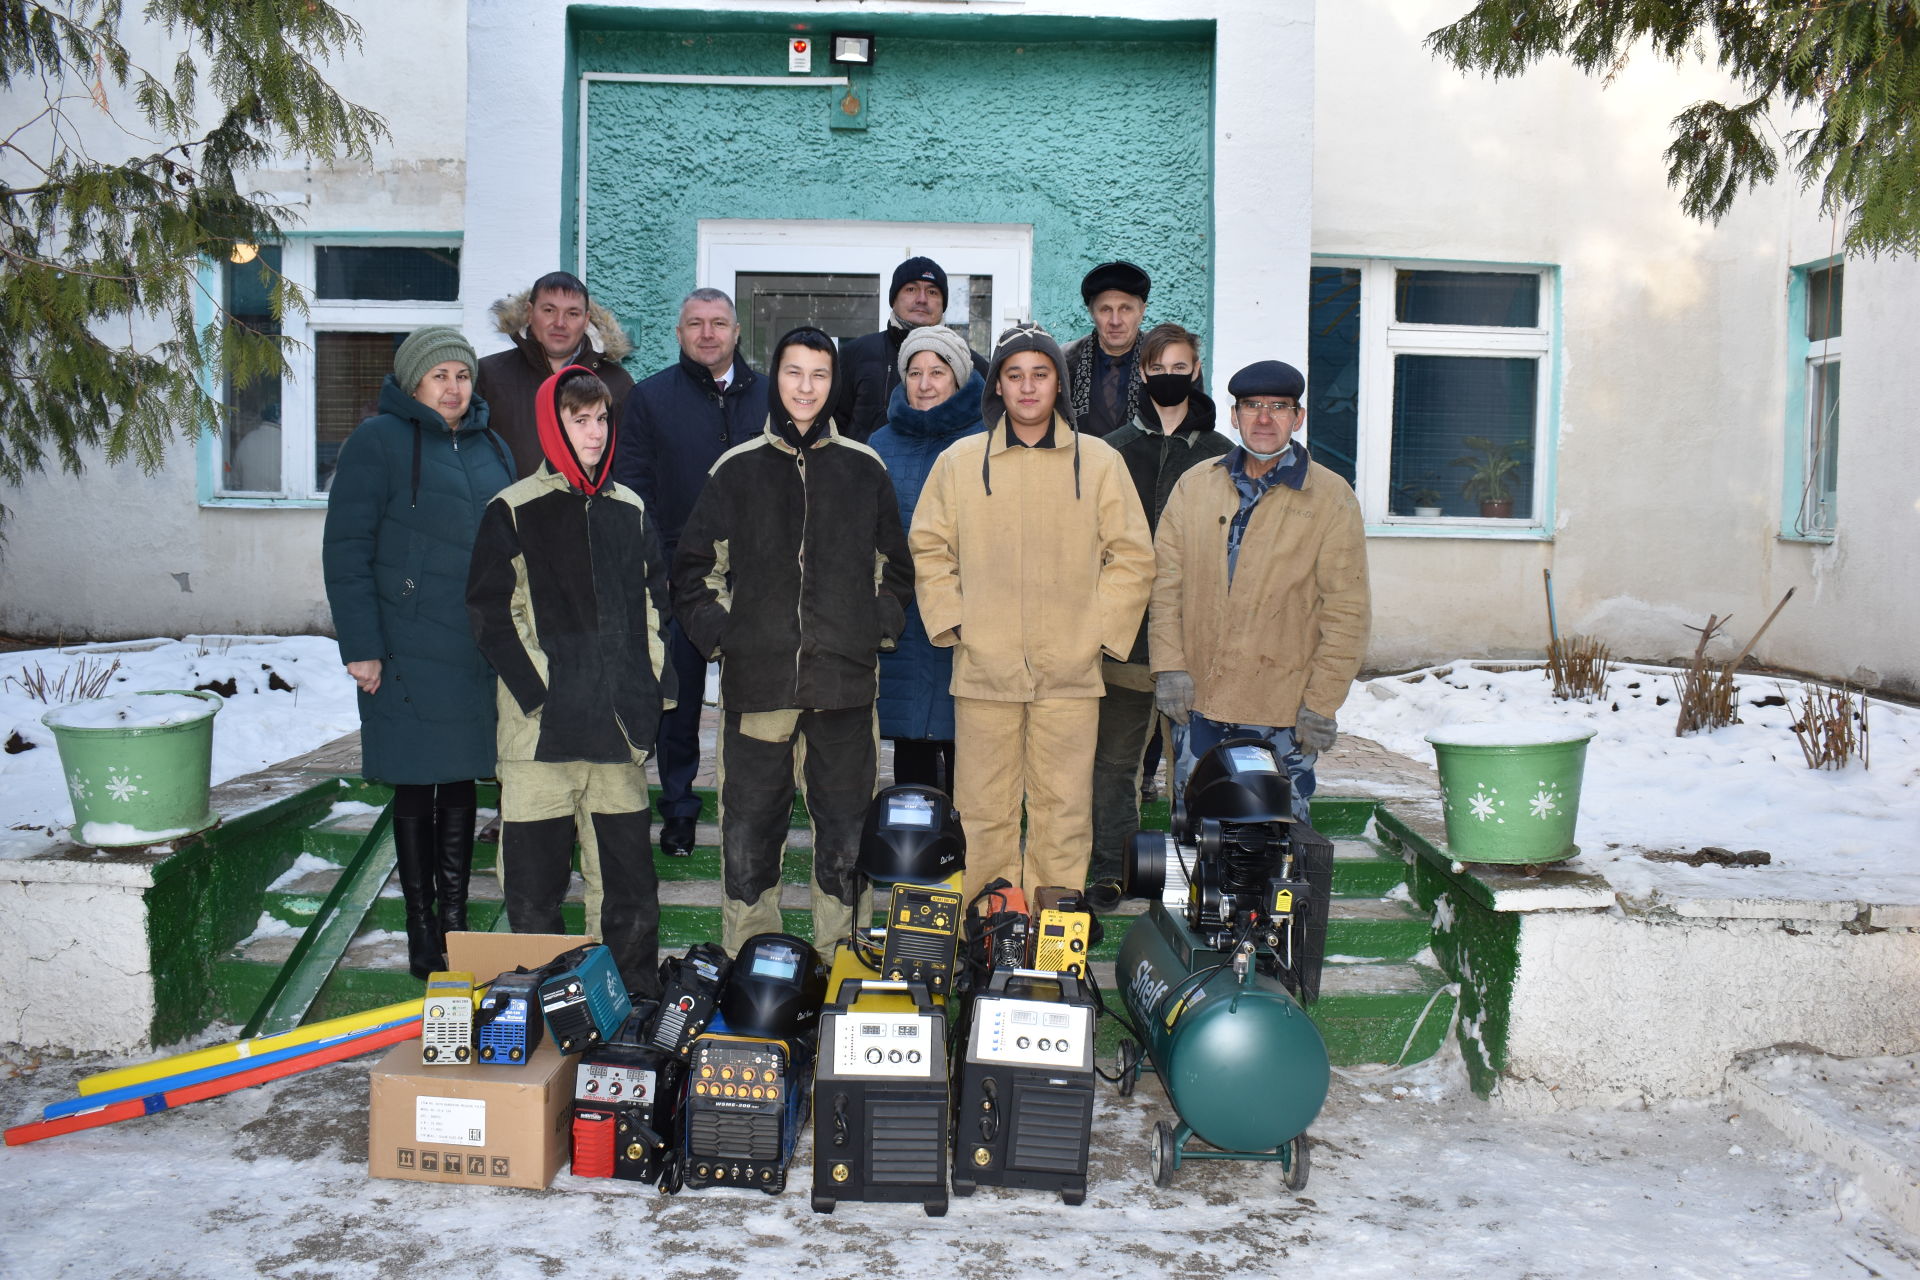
<point>1692,419</point>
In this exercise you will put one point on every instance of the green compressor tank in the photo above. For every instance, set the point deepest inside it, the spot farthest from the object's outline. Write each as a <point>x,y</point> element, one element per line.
<point>1243,1065</point>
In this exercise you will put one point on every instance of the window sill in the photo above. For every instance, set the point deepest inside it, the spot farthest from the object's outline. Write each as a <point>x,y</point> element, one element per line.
<point>243,503</point>
<point>1472,530</point>
<point>1809,539</point>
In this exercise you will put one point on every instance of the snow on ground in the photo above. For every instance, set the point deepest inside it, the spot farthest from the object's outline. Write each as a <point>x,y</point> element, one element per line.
<point>1849,834</point>
<point>1411,1176</point>
<point>261,723</point>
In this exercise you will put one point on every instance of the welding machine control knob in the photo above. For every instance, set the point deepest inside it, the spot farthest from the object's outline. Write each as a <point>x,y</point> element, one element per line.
<point>873,1055</point>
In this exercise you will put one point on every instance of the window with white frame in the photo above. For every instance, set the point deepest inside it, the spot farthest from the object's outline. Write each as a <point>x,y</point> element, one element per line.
<point>1429,388</point>
<point>1818,505</point>
<point>282,438</point>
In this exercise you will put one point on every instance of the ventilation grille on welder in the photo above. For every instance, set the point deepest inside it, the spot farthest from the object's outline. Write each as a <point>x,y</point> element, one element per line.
<point>1050,1128</point>
<point>905,1141</point>
<point>927,948</point>
<point>735,1137</point>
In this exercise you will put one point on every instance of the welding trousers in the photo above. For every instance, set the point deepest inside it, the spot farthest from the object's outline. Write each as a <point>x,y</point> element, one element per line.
<point>833,756</point>
<point>544,807</point>
<point>1033,754</point>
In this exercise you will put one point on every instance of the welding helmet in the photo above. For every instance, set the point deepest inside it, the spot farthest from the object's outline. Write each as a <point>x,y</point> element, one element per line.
<point>911,834</point>
<point>775,989</point>
<point>1239,780</point>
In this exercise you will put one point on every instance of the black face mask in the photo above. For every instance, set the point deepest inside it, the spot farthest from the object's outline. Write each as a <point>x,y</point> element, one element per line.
<point>1169,389</point>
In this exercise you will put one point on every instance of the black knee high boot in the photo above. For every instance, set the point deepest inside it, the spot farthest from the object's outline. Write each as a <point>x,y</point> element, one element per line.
<point>413,843</point>
<point>453,836</point>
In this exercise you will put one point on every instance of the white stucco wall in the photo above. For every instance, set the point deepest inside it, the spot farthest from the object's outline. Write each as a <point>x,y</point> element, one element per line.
<point>1611,1008</point>
<point>96,556</point>
<point>1670,436</point>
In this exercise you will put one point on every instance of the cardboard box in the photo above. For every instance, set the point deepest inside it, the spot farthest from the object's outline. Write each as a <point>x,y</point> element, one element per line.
<point>479,1123</point>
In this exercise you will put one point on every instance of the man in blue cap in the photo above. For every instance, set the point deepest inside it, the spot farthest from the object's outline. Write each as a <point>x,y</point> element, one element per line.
<point>1272,658</point>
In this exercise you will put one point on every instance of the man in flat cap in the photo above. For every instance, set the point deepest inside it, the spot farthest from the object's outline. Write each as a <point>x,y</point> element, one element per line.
<point>1272,658</point>
<point>1103,366</point>
<point>870,364</point>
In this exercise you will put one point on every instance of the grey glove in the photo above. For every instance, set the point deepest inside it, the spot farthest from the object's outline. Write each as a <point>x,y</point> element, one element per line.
<point>1313,731</point>
<point>1173,695</point>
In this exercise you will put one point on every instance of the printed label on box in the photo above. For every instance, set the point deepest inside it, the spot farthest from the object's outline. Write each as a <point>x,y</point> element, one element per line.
<point>462,1121</point>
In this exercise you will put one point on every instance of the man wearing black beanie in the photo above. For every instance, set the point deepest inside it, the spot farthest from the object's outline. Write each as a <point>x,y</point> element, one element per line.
<point>870,364</point>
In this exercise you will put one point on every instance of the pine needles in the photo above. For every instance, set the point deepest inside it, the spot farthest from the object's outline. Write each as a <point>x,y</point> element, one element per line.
<point>1831,727</point>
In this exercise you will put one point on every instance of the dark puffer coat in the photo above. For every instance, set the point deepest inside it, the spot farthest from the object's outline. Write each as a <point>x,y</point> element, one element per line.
<point>401,518</point>
<point>870,369</point>
<point>508,379</point>
<point>914,702</point>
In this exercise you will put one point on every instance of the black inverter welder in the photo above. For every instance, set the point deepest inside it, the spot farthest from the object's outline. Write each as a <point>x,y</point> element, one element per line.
<point>1023,1111</point>
<point>750,1073</point>
<point>626,1115</point>
<point>690,993</point>
<point>880,1098</point>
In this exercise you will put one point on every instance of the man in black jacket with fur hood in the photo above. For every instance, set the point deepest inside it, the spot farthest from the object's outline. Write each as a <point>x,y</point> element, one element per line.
<point>793,571</point>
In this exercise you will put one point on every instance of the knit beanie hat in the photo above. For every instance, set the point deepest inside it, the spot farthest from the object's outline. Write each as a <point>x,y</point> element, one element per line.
<point>425,348</point>
<point>993,409</point>
<point>943,342</point>
<point>918,269</point>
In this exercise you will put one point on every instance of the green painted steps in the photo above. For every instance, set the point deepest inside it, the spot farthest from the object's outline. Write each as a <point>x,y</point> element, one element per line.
<point>1375,993</point>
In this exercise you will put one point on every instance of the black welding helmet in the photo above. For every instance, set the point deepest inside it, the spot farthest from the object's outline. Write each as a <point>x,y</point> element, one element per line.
<point>775,989</point>
<point>911,834</point>
<point>1239,780</point>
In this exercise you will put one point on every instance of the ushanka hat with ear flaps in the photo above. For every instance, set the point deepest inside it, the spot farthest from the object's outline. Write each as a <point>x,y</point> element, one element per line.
<point>993,409</point>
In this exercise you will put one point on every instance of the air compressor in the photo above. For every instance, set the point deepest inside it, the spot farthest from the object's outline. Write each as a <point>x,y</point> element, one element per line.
<point>1218,970</point>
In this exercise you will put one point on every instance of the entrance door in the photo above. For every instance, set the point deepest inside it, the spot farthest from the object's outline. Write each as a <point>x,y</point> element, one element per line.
<point>835,274</point>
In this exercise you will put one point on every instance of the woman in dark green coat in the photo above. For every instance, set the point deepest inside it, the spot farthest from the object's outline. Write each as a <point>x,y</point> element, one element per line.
<point>405,504</point>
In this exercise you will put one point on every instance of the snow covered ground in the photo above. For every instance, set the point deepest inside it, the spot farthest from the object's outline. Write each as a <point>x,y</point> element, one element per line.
<point>289,695</point>
<point>1847,834</point>
<point>1412,1176</point>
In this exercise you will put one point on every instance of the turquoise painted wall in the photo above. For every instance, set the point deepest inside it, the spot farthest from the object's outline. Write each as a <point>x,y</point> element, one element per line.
<point>1103,147</point>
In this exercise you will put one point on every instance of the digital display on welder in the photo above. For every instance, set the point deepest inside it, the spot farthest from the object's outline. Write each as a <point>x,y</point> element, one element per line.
<point>910,811</point>
<point>1252,760</point>
<point>1054,930</point>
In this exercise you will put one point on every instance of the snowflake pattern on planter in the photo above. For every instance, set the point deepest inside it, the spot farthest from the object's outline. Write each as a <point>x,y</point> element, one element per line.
<point>1546,801</point>
<point>1482,803</point>
<point>77,785</point>
<point>121,786</point>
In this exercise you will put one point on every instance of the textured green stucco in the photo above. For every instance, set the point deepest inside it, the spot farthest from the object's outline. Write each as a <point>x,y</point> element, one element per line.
<point>1102,147</point>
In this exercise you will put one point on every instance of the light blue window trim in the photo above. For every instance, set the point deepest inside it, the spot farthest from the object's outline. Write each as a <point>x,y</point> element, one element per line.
<point>209,459</point>
<point>1547,430</point>
<point>1793,455</point>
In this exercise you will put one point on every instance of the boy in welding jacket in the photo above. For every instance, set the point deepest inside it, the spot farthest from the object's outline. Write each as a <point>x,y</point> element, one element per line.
<point>567,596</point>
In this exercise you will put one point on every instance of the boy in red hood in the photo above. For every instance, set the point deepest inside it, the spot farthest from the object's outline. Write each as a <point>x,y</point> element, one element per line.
<point>567,595</point>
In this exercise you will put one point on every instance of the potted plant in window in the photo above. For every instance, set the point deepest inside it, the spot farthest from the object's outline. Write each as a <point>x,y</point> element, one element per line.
<point>1424,496</point>
<point>1490,472</point>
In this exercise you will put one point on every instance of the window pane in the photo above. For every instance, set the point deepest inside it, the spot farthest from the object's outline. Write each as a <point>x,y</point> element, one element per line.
<point>250,440</point>
<point>1823,448</point>
<point>843,305</point>
<point>1825,291</point>
<point>970,311</point>
<point>348,369</point>
<point>1456,418</point>
<point>1333,368</point>
<point>387,274</point>
<point>1492,298</point>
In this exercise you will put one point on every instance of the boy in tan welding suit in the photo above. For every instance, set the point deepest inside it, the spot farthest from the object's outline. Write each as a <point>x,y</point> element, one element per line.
<point>1031,557</point>
<point>567,596</point>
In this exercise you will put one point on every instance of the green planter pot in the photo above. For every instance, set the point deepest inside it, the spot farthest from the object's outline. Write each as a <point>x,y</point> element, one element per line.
<point>1511,791</point>
<point>137,770</point>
